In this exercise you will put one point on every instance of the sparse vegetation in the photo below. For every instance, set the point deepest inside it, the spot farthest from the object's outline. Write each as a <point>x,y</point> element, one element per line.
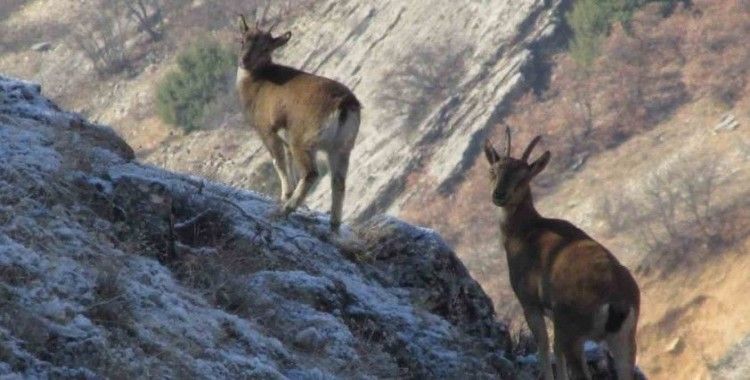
<point>590,21</point>
<point>203,74</point>
<point>101,36</point>
<point>677,216</point>
<point>209,275</point>
<point>148,14</point>
<point>27,327</point>
<point>111,307</point>
<point>108,30</point>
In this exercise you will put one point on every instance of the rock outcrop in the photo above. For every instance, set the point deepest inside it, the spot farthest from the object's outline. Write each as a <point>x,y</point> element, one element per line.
<point>111,268</point>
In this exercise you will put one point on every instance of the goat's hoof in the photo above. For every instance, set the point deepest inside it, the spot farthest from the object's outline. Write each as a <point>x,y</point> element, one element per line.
<point>335,227</point>
<point>281,212</point>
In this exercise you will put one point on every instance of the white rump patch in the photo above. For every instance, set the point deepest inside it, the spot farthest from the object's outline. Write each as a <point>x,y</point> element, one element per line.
<point>334,135</point>
<point>600,320</point>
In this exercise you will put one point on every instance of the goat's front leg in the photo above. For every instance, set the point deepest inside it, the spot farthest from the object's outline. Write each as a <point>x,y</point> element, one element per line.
<point>276,147</point>
<point>535,320</point>
<point>562,368</point>
<point>290,172</point>
<point>305,160</point>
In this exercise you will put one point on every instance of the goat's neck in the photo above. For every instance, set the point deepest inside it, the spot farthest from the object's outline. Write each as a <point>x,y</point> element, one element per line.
<point>247,84</point>
<point>517,218</point>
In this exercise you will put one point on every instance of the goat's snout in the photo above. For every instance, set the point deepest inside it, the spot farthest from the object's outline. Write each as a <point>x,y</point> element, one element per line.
<point>500,194</point>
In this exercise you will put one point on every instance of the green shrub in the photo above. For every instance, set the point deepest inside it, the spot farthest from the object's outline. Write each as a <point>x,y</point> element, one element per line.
<point>203,73</point>
<point>590,21</point>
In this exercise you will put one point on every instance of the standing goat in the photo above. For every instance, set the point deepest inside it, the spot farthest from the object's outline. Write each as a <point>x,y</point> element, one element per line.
<point>310,111</point>
<point>559,271</point>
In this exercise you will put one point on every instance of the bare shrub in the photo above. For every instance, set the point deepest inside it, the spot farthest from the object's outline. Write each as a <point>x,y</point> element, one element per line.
<point>148,14</point>
<point>617,212</point>
<point>578,118</point>
<point>101,36</point>
<point>215,15</point>
<point>208,274</point>
<point>724,64</point>
<point>680,201</point>
<point>111,307</point>
<point>423,78</point>
<point>677,219</point>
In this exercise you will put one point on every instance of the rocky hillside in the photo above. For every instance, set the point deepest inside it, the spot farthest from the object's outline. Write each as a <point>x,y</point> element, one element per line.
<point>650,142</point>
<point>113,268</point>
<point>478,51</point>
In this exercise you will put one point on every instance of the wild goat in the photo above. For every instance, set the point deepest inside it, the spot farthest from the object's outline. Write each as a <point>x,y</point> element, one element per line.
<point>557,270</point>
<point>312,112</point>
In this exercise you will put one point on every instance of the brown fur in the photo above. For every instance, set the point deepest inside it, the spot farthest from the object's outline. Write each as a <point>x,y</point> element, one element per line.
<point>557,269</point>
<point>314,113</point>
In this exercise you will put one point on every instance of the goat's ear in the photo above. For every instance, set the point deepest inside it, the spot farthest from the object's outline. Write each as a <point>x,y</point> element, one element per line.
<point>282,40</point>
<point>490,152</point>
<point>539,164</point>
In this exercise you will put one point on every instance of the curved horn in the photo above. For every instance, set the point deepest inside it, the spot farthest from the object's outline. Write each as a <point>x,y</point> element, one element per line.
<point>273,25</point>
<point>507,140</point>
<point>261,14</point>
<point>257,20</point>
<point>532,144</point>
<point>244,22</point>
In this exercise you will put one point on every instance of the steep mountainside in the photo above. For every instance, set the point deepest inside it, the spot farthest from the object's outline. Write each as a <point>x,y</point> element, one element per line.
<point>114,269</point>
<point>475,51</point>
<point>650,154</point>
<point>363,43</point>
<point>650,141</point>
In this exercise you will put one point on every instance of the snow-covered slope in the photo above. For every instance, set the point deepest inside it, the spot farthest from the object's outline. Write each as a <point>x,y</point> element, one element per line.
<point>109,268</point>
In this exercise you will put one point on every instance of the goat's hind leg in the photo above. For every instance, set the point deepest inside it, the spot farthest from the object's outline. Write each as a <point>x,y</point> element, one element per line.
<point>622,346</point>
<point>290,172</point>
<point>338,162</point>
<point>569,339</point>
<point>561,369</point>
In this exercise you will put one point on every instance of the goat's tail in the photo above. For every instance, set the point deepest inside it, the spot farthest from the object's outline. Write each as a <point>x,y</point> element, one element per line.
<point>348,121</point>
<point>347,105</point>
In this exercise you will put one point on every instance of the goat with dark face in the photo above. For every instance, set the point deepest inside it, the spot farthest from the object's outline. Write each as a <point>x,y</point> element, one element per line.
<point>296,114</point>
<point>557,270</point>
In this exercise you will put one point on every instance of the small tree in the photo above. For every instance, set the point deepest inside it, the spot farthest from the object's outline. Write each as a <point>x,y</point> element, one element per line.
<point>423,78</point>
<point>147,14</point>
<point>101,36</point>
<point>202,74</point>
<point>590,21</point>
<point>677,215</point>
